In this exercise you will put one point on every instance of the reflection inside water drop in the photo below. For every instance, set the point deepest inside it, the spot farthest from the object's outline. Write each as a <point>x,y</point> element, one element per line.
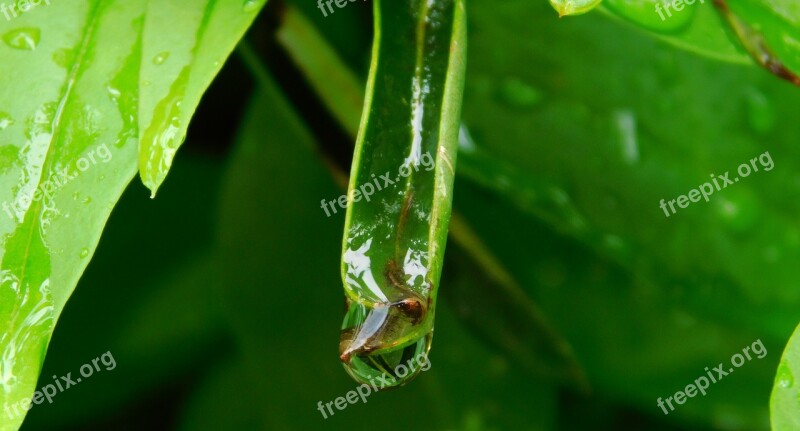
<point>26,38</point>
<point>376,341</point>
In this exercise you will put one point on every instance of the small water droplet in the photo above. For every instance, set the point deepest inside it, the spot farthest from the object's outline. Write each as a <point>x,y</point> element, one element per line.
<point>63,57</point>
<point>145,83</point>
<point>115,93</point>
<point>161,58</point>
<point>5,120</point>
<point>26,38</point>
<point>75,196</point>
<point>519,94</point>
<point>738,211</point>
<point>251,5</point>
<point>84,252</point>
<point>760,114</point>
<point>784,376</point>
<point>86,200</point>
<point>626,124</point>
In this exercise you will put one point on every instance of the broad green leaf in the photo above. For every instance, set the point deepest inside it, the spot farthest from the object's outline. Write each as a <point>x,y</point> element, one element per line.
<point>697,28</point>
<point>69,129</point>
<point>405,155</point>
<point>765,29</point>
<point>784,405</point>
<point>155,322</point>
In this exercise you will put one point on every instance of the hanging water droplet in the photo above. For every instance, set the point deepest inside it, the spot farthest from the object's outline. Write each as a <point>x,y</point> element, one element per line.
<point>519,94</point>
<point>26,38</point>
<point>365,355</point>
<point>161,58</point>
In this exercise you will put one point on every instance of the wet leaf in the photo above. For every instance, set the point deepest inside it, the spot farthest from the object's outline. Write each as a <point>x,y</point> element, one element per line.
<point>784,405</point>
<point>405,156</point>
<point>72,112</point>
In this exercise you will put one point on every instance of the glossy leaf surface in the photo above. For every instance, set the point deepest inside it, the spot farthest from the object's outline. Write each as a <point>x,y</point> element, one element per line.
<point>405,155</point>
<point>70,116</point>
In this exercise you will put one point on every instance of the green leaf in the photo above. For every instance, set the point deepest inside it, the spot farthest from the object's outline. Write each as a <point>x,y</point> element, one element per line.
<point>696,28</point>
<point>184,50</point>
<point>68,144</point>
<point>770,31</point>
<point>405,155</point>
<point>784,404</point>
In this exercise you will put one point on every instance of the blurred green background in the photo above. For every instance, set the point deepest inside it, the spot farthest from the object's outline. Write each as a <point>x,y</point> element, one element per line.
<point>221,300</point>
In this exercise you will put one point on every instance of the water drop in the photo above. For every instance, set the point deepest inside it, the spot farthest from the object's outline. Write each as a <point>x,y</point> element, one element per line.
<point>738,211</point>
<point>626,125</point>
<point>84,252</point>
<point>161,58</point>
<point>385,342</point>
<point>5,120</point>
<point>86,200</point>
<point>115,93</point>
<point>63,57</point>
<point>519,94</point>
<point>784,377</point>
<point>251,5</point>
<point>26,39</point>
<point>760,114</point>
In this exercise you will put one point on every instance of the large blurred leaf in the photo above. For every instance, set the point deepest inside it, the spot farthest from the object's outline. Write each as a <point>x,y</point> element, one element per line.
<point>617,135</point>
<point>69,126</point>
